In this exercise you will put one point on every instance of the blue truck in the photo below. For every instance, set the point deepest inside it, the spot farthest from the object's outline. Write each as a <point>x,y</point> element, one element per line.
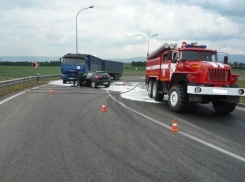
<point>73,67</point>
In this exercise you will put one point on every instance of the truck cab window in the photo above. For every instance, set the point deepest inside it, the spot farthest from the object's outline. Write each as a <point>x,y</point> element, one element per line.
<point>208,56</point>
<point>74,61</point>
<point>189,55</point>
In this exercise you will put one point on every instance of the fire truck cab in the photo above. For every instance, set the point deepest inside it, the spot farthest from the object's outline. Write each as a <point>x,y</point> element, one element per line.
<point>191,74</point>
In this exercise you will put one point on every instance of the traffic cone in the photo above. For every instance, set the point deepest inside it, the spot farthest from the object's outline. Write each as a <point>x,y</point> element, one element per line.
<point>103,108</point>
<point>174,127</point>
<point>50,91</point>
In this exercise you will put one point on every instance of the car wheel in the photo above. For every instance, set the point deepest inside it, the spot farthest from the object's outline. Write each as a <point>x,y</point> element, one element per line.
<point>93,85</point>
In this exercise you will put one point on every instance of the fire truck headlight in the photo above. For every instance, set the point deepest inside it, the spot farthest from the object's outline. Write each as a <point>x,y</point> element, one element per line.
<point>198,89</point>
<point>241,91</point>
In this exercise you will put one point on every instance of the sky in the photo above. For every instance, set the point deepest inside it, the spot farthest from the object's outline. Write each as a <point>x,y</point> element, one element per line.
<point>118,29</point>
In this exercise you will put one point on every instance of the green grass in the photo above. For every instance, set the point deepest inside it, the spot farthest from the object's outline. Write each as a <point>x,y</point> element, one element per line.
<point>239,71</point>
<point>12,72</point>
<point>129,70</point>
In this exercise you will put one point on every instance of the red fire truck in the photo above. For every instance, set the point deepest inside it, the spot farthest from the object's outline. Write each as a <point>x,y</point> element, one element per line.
<point>191,74</point>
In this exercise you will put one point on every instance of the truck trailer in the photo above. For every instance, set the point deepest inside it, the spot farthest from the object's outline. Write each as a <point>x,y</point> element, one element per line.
<point>191,74</point>
<point>73,66</point>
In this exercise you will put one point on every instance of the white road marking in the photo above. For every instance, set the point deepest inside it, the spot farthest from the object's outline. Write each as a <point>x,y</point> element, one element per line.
<point>180,132</point>
<point>11,97</point>
<point>14,96</point>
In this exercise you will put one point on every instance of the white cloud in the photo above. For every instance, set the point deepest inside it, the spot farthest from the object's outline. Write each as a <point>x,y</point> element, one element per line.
<point>117,29</point>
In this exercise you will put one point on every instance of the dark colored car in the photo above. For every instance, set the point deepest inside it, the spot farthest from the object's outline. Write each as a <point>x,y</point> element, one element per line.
<point>93,79</point>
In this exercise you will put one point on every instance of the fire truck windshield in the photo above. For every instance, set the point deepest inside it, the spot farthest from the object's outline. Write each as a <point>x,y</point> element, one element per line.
<point>208,56</point>
<point>196,55</point>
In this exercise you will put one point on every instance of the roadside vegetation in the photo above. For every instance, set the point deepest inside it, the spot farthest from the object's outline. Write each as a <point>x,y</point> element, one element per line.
<point>13,72</point>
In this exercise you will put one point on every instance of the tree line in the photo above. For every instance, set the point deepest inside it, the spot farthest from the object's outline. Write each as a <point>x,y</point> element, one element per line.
<point>237,65</point>
<point>138,63</point>
<point>26,63</point>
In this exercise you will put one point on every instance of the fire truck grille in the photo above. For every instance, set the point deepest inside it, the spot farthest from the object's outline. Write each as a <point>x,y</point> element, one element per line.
<point>218,75</point>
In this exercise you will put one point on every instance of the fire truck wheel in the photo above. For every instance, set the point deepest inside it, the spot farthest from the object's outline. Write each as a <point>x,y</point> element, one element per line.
<point>155,94</point>
<point>149,88</point>
<point>177,99</point>
<point>223,107</point>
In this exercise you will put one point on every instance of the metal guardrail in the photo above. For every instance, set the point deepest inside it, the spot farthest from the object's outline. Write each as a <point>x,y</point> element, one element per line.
<point>9,86</point>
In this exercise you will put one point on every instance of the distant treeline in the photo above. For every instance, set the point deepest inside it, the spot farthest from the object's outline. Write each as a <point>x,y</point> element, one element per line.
<point>138,63</point>
<point>236,65</point>
<point>26,63</point>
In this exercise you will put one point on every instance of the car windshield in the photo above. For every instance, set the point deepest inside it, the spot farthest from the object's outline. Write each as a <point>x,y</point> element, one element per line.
<point>74,61</point>
<point>195,55</point>
<point>101,73</point>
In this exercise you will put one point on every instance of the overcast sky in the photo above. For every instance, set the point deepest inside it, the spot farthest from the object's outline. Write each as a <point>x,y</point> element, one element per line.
<point>118,29</point>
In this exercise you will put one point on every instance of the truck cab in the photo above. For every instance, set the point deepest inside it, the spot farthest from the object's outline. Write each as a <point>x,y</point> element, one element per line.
<point>73,66</point>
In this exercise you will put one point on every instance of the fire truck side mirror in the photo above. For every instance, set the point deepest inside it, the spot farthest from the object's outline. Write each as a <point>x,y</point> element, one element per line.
<point>225,59</point>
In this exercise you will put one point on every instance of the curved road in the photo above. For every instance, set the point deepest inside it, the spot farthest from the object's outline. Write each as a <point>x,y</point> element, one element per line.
<point>65,137</point>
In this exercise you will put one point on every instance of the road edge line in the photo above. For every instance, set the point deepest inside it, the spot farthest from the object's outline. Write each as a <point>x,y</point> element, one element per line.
<point>182,133</point>
<point>1,102</point>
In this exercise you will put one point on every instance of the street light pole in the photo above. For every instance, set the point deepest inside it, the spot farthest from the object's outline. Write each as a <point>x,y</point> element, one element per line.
<point>149,41</point>
<point>76,26</point>
<point>221,47</point>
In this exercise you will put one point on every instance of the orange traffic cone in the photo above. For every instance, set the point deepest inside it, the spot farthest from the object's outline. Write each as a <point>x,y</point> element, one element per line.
<point>50,91</point>
<point>103,108</point>
<point>174,126</point>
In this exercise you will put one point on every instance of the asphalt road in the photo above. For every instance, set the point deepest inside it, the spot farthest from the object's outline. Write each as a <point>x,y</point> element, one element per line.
<point>65,137</point>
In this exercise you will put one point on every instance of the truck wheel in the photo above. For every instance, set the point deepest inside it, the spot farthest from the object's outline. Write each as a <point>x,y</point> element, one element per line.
<point>93,85</point>
<point>64,81</point>
<point>107,85</point>
<point>155,94</point>
<point>117,76</point>
<point>150,88</point>
<point>177,99</point>
<point>223,107</point>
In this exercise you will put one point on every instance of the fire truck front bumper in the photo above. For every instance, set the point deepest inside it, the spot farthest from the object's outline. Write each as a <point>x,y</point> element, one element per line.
<point>222,91</point>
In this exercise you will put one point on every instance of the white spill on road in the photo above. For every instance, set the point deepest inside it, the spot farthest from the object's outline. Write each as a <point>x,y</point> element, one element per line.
<point>60,83</point>
<point>131,91</point>
<point>127,89</point>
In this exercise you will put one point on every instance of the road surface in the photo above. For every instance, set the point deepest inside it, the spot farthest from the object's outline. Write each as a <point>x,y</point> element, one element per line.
<point>65,137</point>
